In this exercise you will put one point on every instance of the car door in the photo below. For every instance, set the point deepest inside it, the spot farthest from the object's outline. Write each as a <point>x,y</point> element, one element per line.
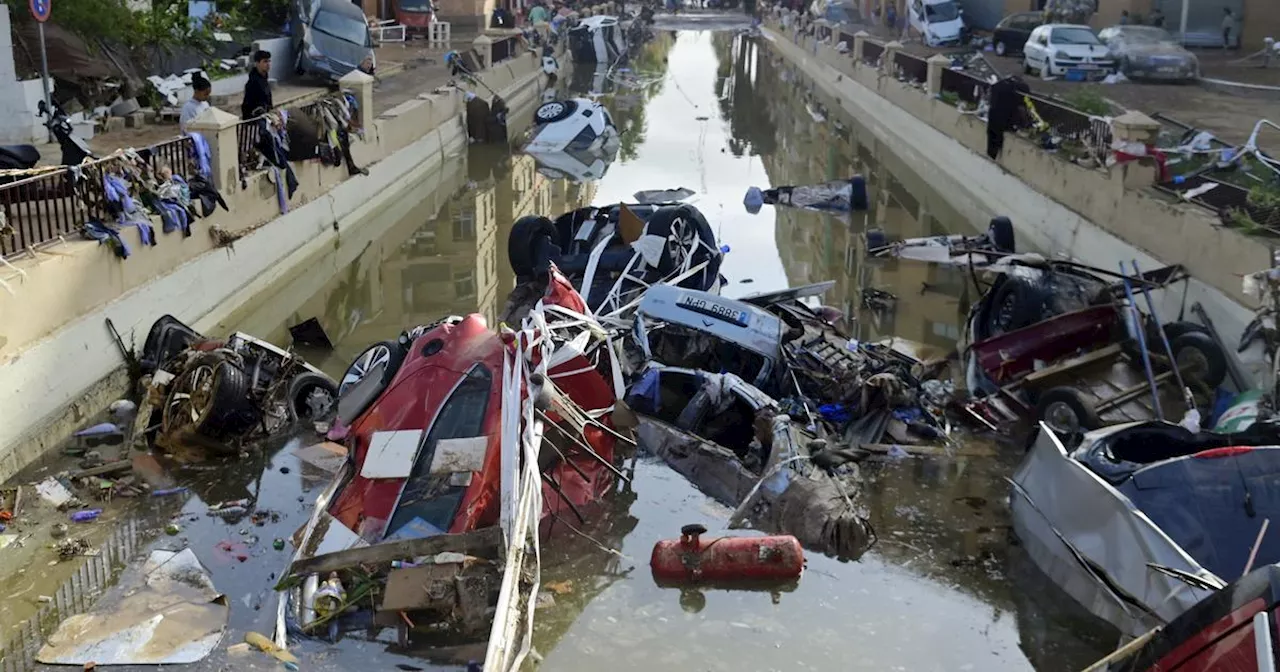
<point>1032,51</point>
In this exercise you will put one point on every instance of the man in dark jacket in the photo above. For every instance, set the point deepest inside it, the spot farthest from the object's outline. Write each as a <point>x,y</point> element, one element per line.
<point>257,91</point>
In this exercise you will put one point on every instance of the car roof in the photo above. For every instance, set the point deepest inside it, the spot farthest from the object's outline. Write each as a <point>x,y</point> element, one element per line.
<point>343,8</point>
<point>1067,25</point>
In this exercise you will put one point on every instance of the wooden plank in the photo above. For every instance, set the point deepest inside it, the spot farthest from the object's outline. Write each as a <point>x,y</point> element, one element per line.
<point>485,543</point>
<point>409,588</point>
<point>1064,366</point>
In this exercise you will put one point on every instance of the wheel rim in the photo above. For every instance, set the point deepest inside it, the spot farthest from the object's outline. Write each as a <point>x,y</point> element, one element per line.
<point>1061,418</point>
<point>1000,48</point>
<point>190,399</point>
<point>550,110</point>
<point>1004,315</point>
<point>1191,361</point>
<point>316,401</point>
<point>365,363</point>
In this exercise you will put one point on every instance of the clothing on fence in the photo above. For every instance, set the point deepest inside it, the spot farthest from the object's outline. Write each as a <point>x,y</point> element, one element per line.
<point>200,152</point>
<point>105,234</point>
<point>126,209</point>
<point>202,191</point>
<point>273,142</point>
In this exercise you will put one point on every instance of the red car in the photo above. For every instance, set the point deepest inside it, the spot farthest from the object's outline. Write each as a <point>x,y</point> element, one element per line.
<point>431,405</point>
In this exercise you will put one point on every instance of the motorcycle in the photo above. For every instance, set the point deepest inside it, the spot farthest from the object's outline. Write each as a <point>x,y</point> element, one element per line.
<point>22,157</point>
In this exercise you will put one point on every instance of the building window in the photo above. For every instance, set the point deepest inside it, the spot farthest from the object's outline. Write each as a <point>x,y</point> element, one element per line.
<point>464,226</point>
<point>464,284</point>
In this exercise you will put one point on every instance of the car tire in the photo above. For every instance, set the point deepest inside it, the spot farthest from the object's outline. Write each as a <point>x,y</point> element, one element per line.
<point>1026,67</point>
<point>1173,330</point>
<point>556,110</point>
<point>1198,352</point>
<point>521,244</point>
<point>1001,49</point>
<point>301,390</point>
<point>228,413</point>
<point>1000,233</point>
<point>1014,304</point>
<point>1067,411</point>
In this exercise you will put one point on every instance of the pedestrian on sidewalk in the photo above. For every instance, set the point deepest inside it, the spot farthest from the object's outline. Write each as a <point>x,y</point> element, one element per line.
<point>1228,25</point>
<point>538,14</point>
<point>257,91</point>
<point>199,101</point>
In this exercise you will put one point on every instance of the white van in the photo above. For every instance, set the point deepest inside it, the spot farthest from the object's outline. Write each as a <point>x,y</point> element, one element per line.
<point>938,22</point>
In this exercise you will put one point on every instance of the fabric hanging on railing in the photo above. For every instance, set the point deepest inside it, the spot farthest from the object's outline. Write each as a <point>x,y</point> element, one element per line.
<point>126,209</point>
<point>104,234</point>
<point>200,152</point>
<point>201,190</point>
<point>273,143</point>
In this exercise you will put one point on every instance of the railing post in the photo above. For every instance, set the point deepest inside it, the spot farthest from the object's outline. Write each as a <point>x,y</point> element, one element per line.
<point>937,65</point>
<point>484,49</point>
<point>219,131</point>
<point>859,41</point>
<point>889,58</point>
<point>362,86</point>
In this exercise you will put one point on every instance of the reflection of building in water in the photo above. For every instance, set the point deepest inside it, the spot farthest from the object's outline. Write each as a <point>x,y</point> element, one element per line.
<point>819,142</point>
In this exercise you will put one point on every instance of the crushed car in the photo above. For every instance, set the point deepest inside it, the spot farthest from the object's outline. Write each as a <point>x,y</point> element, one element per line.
<point>457,434</point>
<point>1144,520</point>
<point>598,39</point>
<point>575,138</point>
<point>1150,52</point>
<point>221,394</point>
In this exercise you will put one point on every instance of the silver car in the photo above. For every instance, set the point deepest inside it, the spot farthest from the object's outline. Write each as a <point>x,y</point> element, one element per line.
<point>1149,52</point>
<point>331,38</point>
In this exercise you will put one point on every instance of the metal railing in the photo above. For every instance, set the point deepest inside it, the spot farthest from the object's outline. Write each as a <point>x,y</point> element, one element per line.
<point>1230,202</point>
<point>912,68</point>
<point>1070,123</point>
<point>45,207</point>
<point>76,596</point>
<point>966,87</point>
<point>871,52</point>
<point>505,48</point>
<point>247,141</point>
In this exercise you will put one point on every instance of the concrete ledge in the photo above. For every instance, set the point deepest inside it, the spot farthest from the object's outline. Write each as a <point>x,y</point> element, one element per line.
<point>1055,205</point>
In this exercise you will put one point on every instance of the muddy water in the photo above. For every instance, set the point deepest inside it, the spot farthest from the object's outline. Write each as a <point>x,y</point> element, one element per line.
<point>943,590</point>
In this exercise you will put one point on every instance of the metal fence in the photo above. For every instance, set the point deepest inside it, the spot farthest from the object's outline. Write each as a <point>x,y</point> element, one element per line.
<point>911,67</point>
<point>1229,201</point>
<point>966,87</point>
<point>45,207</point>
<point>1070,123</point>
<point>871,52</point>
<point>76,596</point>
<point>247,141</point>
<point>505,48</point>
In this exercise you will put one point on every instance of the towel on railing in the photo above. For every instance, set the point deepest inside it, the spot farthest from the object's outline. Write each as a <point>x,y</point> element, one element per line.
<point>200,152</point>
<point>274,145</point>
<point>126,209</point>
<point>201,190</point>
<point>104,234</point>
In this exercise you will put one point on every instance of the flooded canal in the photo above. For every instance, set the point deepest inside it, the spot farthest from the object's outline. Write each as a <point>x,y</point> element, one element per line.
<point>944,589</point>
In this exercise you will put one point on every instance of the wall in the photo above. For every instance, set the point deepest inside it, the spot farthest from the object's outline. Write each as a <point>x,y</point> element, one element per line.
<point>58,362</point>
<point>1057,206</point>
<point>19,124</point>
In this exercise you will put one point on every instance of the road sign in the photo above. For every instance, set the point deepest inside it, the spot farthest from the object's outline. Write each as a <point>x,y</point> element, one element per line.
<point>40,9</point>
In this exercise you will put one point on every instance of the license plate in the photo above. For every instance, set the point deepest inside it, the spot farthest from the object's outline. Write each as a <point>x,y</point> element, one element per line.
<point>714,309</point>
<point>1168,70</point>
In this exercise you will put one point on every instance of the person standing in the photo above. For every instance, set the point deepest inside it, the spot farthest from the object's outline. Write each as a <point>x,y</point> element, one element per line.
<point>1228,25</point>
<point>1124,18</point>
<point>199,101</point>
<point>538,14</point>
<point>1157,18</point>
<point>257,91</point>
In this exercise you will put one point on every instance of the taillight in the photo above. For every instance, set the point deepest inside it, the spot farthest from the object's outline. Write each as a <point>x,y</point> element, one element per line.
<point>1230,451</point>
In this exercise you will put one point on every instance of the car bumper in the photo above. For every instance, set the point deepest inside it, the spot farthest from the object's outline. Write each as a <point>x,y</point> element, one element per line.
<point>1163,73</point>
<point>1091,71</point>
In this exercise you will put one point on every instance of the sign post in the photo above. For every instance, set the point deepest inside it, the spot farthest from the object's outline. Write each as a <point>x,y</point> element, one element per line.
<point>40,10</point>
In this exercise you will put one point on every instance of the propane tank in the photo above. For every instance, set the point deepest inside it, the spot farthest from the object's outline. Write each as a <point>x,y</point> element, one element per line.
<point>690,559</point>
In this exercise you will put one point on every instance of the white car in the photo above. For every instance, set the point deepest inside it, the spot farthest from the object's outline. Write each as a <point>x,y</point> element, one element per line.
<point>1066,50</point>
<point>577,125</point>
<point>938,22</point>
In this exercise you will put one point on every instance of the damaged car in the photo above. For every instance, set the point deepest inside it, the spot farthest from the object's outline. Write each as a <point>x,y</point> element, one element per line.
<point>1150,52</point>
<point>331,39</point>
<point>1142,521</point>
<point>598,39</point>
<point>219,394</point>
<point>575,138</point>
<point>614,253</point>
<point>442,426</point>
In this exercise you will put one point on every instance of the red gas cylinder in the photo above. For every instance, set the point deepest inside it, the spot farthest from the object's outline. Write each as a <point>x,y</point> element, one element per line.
<point>725,559</point>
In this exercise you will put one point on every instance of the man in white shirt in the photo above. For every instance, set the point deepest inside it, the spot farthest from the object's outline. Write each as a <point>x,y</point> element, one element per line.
<point>198,103</point>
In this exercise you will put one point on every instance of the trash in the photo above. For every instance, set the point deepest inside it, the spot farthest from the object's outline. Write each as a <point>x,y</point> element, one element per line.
<point>897,452</point>
<point>268,647</point>
<point>754,200</point>
<point>725,560</point>
<point>122,412</point>
<point>58,531</point>
<point>168,491</point>
<point>278,544</point>
<point>560,587</point>
<point>86,516</point>
<point>70,548</point>
<point>310,332</point>
<point>53,492</point>
<point>662,195</point>
<point>172,529</point>
<point>1115,78</point>
<point>839,195</point>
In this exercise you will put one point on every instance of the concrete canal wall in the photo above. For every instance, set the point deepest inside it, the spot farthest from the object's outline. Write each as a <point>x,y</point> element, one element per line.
<point>1100,216</point>
<point>58,363</point>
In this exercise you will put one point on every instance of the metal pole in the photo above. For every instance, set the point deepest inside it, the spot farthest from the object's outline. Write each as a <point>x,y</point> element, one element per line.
<point>1182,25</point>
<point>44,79</point>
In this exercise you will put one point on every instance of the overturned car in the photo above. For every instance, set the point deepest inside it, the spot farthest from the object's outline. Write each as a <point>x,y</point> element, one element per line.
<point>218,394</point>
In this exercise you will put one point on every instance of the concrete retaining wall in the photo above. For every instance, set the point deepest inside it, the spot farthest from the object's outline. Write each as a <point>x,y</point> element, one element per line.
<point>59,363</point>
<point>1094,215</point>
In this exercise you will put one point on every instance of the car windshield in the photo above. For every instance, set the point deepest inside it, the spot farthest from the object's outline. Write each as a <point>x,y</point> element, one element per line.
<point>342,27</point>
<point>1146,35</point>
<point>839,14</point>
<point>942,11</point>
<point>1073,36</point>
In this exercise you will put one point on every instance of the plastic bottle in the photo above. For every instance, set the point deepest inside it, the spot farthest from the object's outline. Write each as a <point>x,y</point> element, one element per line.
<point>399,564</point>
<point>86,516</point>
<point>167,491</point>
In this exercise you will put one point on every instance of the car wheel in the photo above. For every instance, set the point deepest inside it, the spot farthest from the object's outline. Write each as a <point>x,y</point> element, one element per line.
<point>1000,233</point>
<point>1001,49</point>
<point>522,247</point>
<point>554,111</point>
<point>312,396</point>
<point>1196,354</point>
<point>1067,412</point>
<point>1026,66</point>
<point>1013,304</point>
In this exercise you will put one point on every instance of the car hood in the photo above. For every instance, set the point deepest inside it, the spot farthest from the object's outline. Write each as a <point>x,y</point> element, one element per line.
<point>1159,51</point>
<point>1082,50</point>
<point>338,50</point>
<point>946,29</point>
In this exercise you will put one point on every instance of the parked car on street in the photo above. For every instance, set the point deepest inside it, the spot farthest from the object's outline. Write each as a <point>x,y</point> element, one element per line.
<point>1150,52</point>
<point>1013,31</point>
<point>331,38</point>
<point>1067,50</point>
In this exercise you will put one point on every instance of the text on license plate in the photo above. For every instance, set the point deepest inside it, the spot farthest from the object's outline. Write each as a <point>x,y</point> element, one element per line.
<point>716,310</point>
